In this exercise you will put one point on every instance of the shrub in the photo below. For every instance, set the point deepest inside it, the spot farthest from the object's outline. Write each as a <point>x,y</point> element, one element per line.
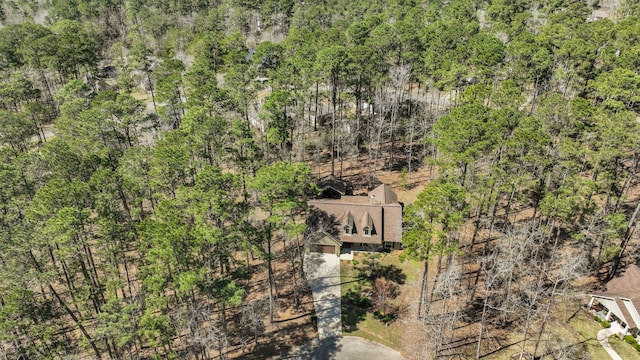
<point>605,324</point>
<point>363,302</point>
<point>386,318</point>
<point>383,292</point>
<point>632,341</point>
<point>354,298</point>
<point>404,179</point>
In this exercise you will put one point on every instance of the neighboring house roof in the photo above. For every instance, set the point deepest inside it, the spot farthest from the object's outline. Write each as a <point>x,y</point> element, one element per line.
<point>331,182</point>
<point>380,213</point>
<point>625,292</point>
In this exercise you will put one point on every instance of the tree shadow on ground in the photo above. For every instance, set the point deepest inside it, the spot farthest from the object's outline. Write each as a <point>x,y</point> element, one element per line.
<point>375,270</point>
<point>287,346</point>
<point>317,350</point>
<point>319,221</point>
<point>326,348</point>
<point>313,261</point>
<point>354,309</point>
<point>574,349</point>
<point>501,348</point>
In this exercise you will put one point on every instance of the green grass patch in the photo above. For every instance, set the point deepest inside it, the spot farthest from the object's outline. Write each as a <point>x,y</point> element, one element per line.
<point>410,268</point>
<point>374,330</point>
<point>349,280</point>
<point>357,314</point>
<point>626,351</point>
<point>587,330</point>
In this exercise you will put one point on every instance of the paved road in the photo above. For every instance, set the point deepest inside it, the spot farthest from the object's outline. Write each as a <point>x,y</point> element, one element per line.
<point>323,274</point>
<point>345,348</point>
<point>603,336</point>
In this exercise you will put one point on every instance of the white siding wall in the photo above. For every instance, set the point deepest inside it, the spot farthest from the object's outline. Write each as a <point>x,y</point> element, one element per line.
<point>632,310</point>
<point>612,306</point>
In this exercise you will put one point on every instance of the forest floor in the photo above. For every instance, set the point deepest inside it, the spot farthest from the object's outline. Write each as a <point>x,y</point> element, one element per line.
<point>570,330</point>
<point>292,326</point>
<point>564,332</point>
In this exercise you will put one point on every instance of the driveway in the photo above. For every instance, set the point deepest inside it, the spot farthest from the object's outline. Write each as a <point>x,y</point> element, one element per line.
<point>603,336</point>
<point>323,275</point>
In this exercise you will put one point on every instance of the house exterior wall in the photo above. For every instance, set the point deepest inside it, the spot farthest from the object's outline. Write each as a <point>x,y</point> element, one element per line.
<point>323,241</point>
<point>392,245</point>
<point>618,329</point>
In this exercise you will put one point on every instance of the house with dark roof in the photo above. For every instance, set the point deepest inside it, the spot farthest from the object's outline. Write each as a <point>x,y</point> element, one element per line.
<point>372,222</point>
<point>620,302</point>
<point>333,188</point>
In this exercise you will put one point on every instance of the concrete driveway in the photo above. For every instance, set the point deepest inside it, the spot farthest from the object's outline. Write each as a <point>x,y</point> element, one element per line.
<point>603,336</point>
<point>323,275</point>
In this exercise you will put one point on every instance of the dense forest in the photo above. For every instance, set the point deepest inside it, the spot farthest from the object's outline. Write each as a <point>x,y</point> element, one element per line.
<point>157,157</point>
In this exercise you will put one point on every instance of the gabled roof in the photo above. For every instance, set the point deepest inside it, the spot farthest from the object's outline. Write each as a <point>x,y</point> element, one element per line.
<point>327,239</point>
<point>383,195</point>
<point>625,291</point>
<point>331,182</point>
<point>367,221</point>
<point>348,220</point>
<point>382,216</point>
<point>626,312</point>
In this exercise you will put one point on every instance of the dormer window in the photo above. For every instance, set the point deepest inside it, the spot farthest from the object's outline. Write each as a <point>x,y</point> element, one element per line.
<point>350,226</point>
<point>368,229</point>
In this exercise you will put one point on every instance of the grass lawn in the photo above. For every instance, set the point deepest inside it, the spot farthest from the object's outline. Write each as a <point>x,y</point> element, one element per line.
<point>587,329</point>
<point>623,349</point>
<point>359,320</point>
<point>373,329</point>
<point>581,329</point>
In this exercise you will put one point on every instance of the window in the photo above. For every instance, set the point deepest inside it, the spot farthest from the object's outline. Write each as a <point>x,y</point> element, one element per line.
<point>348,230</point>
<point>367,231</point>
